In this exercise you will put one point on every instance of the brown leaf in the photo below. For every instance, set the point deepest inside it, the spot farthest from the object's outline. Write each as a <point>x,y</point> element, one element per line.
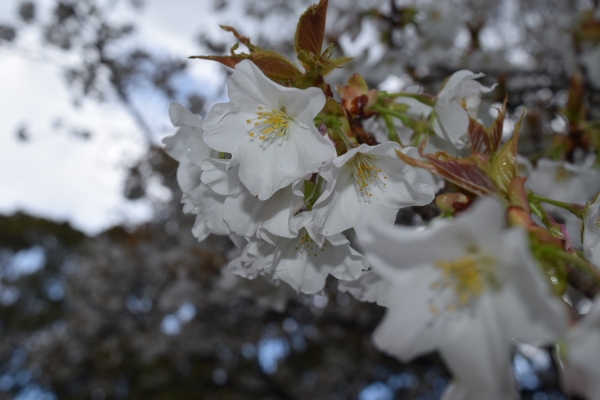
<point>311,29</point>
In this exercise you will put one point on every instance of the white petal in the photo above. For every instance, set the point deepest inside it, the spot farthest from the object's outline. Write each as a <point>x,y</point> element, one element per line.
<point>591,234</point>
<point>452,122</point>
<point>181,116</point>
<point>407,330</point>
<point>225,128</point>
<point>370,287</point>
<point>531,311</point>
<point>478,351</point>
<point>305,266</point>
<point>343,205</point>
<point>222,176</point>
<point>200,229</point>
<point>249,84</point>
<point>245,214</point>
<point>190,125</point>
<point>211,205</point>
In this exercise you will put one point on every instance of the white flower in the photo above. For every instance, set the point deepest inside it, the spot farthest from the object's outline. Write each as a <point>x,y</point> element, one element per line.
<point>370,287</point>
<point>569,183</point>
<point>563,181</point>
<point>458,100</point>
<point>209,212</point>
<point>269,129</point>
<point>591,232</point>
<point>582,362</point>
<point>243,213</point>
<point>187,147</point>
<point>465,287</point>
<point>303,262</point>
<point>368,185</point>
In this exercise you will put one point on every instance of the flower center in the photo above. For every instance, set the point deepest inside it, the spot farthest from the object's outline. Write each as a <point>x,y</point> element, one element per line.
<point>366,174</point>
<point>562,174</point>
<point>466,276</point>
<point>308,246</point>
<point>269,124</point>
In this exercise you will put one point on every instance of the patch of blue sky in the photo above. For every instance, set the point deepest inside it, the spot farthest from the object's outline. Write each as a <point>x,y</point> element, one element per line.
<point>270,352</point>
<point>376,391</point>
<point>25,262</point>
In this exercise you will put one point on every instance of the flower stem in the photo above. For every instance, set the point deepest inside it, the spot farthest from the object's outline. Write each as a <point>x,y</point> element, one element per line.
<point>575,209</point>
<point>423,98</point>
<point>345,138</point>
<point>579,263</point>
<point>392,135</point>
<point>385,111</point>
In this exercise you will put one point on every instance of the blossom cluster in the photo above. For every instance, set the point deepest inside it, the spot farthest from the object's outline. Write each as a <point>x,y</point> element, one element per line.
<point>258,169</point>
<point>305,190</point>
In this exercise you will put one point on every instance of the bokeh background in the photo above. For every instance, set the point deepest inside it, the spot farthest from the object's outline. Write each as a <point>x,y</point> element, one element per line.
<point>104,292</point>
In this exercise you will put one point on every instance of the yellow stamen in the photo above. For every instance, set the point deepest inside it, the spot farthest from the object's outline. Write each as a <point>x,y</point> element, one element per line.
<point>466,276</point>
<point>275,123</point>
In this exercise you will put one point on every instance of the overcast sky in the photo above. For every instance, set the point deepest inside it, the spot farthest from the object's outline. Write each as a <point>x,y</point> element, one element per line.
<point>56,175</point>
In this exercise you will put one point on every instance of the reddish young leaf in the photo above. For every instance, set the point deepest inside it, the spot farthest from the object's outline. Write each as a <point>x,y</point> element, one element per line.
<point>243,39</point>
<point>462,172</point>
<point>311,29</point>
<point>274,65</point>
<point>480,140</point>
<point>415,162</point>
<point>497,128</point>
<point>228,61</point>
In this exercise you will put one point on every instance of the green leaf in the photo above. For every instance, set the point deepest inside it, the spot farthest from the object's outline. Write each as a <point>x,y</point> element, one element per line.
<point>504,163</point>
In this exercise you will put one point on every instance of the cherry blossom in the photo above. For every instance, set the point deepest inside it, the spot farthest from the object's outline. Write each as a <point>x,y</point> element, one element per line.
<point>466,288</point>
<point>303,262</point>
<point>243,213</point>
<point>368,185</point>
<point>269,129</point>
<point>458,100</point>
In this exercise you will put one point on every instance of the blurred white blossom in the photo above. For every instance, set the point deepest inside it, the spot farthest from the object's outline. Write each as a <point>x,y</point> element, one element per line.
<point>466,288</point>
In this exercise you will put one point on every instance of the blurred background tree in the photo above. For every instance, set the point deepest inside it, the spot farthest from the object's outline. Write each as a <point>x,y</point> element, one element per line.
<point>143,310</point>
